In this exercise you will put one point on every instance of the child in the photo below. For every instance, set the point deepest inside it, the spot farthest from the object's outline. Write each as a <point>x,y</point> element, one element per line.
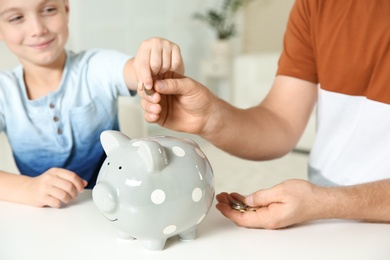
<point>55,105</point>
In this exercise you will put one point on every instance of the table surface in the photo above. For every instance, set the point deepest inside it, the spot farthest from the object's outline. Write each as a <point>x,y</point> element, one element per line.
<point>79,231</point>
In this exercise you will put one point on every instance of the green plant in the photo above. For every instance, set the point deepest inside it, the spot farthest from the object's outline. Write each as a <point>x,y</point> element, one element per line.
<point>223,20</point>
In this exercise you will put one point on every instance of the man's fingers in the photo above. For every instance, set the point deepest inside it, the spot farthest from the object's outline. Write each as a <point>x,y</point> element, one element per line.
<point>264,197</point>
<point>179,85</point>
<point>237,196</point>
<point>249,219</point>
<point>223,198</point>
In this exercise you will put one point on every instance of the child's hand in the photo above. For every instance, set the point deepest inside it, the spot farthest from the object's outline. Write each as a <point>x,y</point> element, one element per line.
<point>157,58</point>
<point>54,187</point>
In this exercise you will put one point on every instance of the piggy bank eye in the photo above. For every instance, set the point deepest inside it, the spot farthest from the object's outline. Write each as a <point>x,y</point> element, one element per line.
<point>120,167</point>
<point>108,163</point>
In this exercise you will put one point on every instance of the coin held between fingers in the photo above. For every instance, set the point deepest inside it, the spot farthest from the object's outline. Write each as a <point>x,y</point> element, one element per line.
<point>148,92</point>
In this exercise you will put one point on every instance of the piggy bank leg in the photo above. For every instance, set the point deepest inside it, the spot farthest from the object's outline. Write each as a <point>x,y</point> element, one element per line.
<point>189,234</point>
<point>154,244</point>
<point>124,235</point>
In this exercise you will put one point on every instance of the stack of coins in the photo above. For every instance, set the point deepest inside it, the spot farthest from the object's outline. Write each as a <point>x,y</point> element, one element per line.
<point>241,206</point>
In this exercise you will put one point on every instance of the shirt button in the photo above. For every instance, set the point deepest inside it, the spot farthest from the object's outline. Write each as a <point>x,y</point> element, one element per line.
<point>55,119</point>
<point>59,131</point>
<point>51,105</point>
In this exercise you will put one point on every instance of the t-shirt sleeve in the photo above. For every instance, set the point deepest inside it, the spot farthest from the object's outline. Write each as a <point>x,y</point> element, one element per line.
<point>297,58</point>
<point>105,70</point>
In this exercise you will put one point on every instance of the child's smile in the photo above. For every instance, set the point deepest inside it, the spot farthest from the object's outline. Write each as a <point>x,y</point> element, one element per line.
<point>42,45</point>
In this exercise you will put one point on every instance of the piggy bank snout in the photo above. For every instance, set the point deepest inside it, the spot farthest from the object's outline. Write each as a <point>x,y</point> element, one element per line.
<point>104,198</point>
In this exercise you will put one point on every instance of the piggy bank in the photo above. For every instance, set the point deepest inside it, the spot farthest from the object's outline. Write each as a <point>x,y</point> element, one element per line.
<point>153,188</point>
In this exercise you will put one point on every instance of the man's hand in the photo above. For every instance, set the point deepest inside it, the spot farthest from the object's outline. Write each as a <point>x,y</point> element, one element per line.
<point>180,104</point>
<point>286,204</point>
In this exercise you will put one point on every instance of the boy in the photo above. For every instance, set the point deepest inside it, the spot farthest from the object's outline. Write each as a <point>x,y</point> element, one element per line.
<point>55,105</point>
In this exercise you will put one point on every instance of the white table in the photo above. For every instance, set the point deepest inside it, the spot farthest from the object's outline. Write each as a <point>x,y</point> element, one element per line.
<point>79,231</point>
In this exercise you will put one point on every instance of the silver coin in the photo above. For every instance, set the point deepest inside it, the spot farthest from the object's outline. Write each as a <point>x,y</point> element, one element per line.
<point>241,206</point>
<point>238,205</point>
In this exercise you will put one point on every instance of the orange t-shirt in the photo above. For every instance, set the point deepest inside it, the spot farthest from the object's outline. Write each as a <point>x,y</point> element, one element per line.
<point>341,44</point>
<point>344,45</point>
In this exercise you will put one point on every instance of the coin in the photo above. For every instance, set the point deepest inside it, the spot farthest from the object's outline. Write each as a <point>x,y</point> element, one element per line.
<point>241,206</point>
<point>238,205</point>
<point>148,92</point>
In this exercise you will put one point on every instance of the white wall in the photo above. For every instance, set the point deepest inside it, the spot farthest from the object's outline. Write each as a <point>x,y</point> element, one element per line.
<point>7,59</point>
<point>264,25</point>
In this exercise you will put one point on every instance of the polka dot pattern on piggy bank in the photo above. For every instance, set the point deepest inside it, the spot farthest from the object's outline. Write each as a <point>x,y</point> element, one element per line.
<point>153,188</point>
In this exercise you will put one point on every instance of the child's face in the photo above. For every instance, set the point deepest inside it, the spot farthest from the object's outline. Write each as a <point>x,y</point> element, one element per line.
<point>35,30</point>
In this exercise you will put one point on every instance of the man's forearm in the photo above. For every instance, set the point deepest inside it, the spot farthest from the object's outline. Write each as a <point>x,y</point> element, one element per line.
<point>367,202</point>
<point>267,131</point>
<point>253,133</point>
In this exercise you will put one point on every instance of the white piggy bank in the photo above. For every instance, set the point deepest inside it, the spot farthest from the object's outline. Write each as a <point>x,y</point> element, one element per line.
<point>153,188</point>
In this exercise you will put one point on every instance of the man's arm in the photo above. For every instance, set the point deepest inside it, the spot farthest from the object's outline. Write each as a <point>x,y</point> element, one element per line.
<point>367,202</point>
<point>297,201</point>
<point>268,130</point>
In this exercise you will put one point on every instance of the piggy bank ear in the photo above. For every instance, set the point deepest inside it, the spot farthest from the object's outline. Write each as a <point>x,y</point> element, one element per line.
<point>112,139</point>
<point>154,155</point>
